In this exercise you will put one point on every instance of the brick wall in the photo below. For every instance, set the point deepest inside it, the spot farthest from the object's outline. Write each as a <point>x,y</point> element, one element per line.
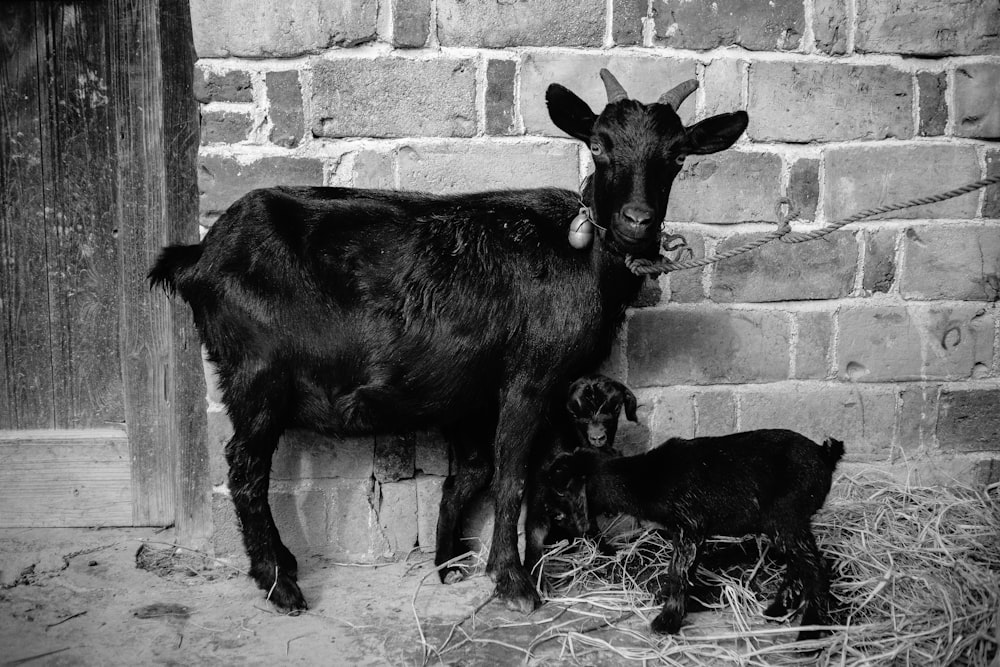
<point>885,334</point>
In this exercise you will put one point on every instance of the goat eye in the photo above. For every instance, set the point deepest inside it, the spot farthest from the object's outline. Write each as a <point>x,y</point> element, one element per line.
<point>679,160</point>
<point>596,148</point>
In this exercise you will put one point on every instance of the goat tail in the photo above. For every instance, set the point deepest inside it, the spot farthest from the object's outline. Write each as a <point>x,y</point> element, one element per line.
<point>833,450</point>
<point>171,265</point>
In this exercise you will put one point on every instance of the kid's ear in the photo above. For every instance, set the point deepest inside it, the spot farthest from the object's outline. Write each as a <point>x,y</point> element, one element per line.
<point>630,405</point>
<point>715,134</point>
<point>569,113</point>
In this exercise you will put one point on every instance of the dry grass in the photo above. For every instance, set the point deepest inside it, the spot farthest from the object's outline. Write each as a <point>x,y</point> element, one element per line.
<point>915,581</point>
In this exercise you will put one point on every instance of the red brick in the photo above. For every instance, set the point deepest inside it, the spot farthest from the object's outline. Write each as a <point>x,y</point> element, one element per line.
<point>411,23</point>
<point>284,98</point>
<point>861,177</point>
<point>951,262</point>
<point>977,100</point>
<point>927,27</point>
<point>707,24</point>
<point>715,413</point>
<point>394,97</point>
<point>307,455</point>
<point>394,457</point>
<point>723,86</point>
<point>644,77</point>
<point>223,180</point>
<point>880,260</point>
<point>878,344</point>
<point>224,127</point>
<point>969,420</point>
<point>933,103</point>
<point>686,284</point>
<point>803,187</point>
<point>830,22</point>
<point>500,96</point>
<point>373,169</point>
<point>991,194</point>
<point>812,347</point>
<point>786,272</point>
<point>731,186</point>
<point>301,513</point>
<point>805,102</point>
<point>397,516</point>
<point>428,506</point>
<point>917,419</point>
<point>627,16</point>
<point>474,166</point>
<point>863,417</point>
<point>707,345</point>
<point>491,24</point>
<point>231,86</point>
<point>351,526</point>
<point>670,415</point>
<point>279,29</point>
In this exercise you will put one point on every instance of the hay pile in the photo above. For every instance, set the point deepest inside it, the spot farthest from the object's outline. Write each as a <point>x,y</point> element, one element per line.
<point>915,581</point>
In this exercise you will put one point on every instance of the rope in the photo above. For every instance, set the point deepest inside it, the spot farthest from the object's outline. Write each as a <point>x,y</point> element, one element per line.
<point>784,231</point>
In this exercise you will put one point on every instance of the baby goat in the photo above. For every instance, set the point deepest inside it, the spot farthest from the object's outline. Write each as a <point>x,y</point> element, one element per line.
<point>767,481</point>
<point>594,404</point>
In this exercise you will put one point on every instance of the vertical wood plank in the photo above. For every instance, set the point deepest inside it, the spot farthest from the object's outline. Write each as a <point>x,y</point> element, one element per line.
<point>27,399</point>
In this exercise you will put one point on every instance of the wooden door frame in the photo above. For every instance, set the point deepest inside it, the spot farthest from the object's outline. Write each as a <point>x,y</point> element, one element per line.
<point>157,130</point>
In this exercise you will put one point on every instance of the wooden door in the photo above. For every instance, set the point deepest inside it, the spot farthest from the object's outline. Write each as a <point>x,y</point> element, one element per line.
<point>101,392</point>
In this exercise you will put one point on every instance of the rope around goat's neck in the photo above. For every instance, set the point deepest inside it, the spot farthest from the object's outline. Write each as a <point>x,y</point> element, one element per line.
<point>643,267</point>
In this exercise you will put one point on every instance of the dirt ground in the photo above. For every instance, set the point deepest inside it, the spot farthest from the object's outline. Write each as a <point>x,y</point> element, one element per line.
<point>77,597</point>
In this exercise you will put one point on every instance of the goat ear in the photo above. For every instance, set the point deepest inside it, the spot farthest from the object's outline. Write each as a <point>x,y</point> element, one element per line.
<point>715,134</point>
<point>569,112</point>
<point>630,405</point>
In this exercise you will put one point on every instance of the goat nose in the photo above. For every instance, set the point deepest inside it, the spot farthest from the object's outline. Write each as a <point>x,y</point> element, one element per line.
<point>637,214</point>
<point>598,440</point>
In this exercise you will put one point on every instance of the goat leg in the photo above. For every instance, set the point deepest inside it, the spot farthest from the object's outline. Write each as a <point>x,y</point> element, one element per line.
<point>473,469</point>
<point>673,592</point>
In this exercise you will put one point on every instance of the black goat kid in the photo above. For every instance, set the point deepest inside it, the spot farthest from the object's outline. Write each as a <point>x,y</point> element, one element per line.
<point>348,311</point>
<point>767,482</point>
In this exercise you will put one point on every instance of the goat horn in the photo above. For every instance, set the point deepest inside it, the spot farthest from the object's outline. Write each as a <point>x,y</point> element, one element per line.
<point>615,91</point>
<point>676,95</point>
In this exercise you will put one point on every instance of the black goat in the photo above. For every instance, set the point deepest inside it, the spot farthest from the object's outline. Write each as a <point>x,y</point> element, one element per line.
<point>590,419</point>
<point>348,311</point>
<point>768,481</point>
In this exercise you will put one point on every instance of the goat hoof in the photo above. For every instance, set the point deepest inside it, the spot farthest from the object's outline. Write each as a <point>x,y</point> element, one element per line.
<point>667,623</point>
<point>451,575</point>
<point>516,590</point>
<point>284,592</point>
<point>775,610</point>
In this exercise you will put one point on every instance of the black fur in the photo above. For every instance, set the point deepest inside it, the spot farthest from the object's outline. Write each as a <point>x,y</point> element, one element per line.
<point>348,311</point>
<point>768,481</point>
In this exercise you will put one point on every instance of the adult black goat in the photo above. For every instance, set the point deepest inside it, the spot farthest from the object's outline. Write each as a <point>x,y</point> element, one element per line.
<point>348,311</point>
<point>766,481</point>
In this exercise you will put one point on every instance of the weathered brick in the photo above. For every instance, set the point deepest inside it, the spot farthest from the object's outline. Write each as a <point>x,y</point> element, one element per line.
<point>804,102</point>
<point>431,453</point>
<point>231,86</point>
<point>715,413</point>
<point>644,77</point>
<point>686,285</point>
<point>307,455</point>
<point>803,187</point>
<point>863,417</point>
<point>670,415</point>
<point>397,516</point>
<point>394,97</point>
<point>991,194</point>
<point>830,22</point>
<point>352,521</point>
<point>627,16</point>
<point>913,343</point>
<point>224,127</point>
<point>411,23</point>
<point>300,512</point>
<point>969,420</point>
<point>723,86</point>
<point>786,272</point>
<point>279,29</point>
<point>227,541</point>
<point>985,472</point>
<point>927,27</point>
<point>394,457</point>
<point>933,103</point>
<point>917,419</point>
<point>219,430</point>
<point>880,260</point>
<point>731,186</point>
<point>497,25</point>
<point>473,166</point>
<point>373,169</point>
<point>223,180</point>
<point>977,100</point>
<point>428,505</point>
<point>861,177</point>
<point>707,24</point>
<point>284,97</point>
<point>951,262</point>
<point>706,346</point>
<point>812,348</point>
<point>500,96</point>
